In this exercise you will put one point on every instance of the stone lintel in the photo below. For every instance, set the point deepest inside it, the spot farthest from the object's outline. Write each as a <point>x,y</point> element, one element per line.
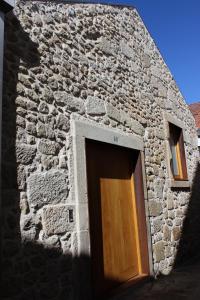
<point>175,121</point>
<point>111,136</point>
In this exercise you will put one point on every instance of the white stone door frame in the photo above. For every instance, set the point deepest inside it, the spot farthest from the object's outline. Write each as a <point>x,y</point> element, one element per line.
<point>82,130</point>
<point>168,118</point>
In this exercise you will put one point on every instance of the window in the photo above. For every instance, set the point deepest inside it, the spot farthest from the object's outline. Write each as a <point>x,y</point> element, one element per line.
<point>177,159</point>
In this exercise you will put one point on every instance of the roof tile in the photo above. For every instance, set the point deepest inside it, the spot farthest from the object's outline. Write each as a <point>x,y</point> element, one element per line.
<point>195,110</point>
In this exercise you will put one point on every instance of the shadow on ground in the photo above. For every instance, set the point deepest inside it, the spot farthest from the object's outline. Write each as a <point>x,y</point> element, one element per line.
<point>182,284</point>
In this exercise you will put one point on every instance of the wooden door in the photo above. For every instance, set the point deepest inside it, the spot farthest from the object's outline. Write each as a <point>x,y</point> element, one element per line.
<point>115,242</point>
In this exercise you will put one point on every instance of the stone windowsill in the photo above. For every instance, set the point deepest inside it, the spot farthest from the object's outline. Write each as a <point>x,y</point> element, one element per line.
<point>179,183</point>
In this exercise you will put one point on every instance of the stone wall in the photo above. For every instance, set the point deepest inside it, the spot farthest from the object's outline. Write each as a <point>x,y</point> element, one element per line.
<point>90,62</point>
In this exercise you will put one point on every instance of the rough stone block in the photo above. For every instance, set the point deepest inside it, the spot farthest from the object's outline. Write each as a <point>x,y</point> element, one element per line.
<point>146,60</point>
<point>31,129</point>
<point>158,188</point>
<point>179,213</point>
<point>26,222</point>
<point>178,222</point>
<point>159,251</point>
<point>160,87</point>
<point>71,103</point>
<point>95,106</point>
<point>24,207</point>
<point>47,187</point>
<point>66,242</point>
<point>20,121</point>
<point>62,123</point>
<point>150,193</point>
<point>113,112</point>
<point>108,47</point>
<point>137,127</point>
<point>176,232</point>
<point>58,219</point>
<point>170,202</point>
<point>171,94</point>
<point>168,251</point>
<point>135,68</point>
<point>125,119</point>
<point>21,177</point>
<point>48,147</point>
<point>63,162</point>
<point>155,208</point>
<point>166,233</point>
<point>43,108</point>
<point>187,137</point>
<point>155,71</point>
<point>37,20</point>
<point>25,153</point>
<point>168,105</point>
<point>44,130</point>
<point>160,134</point>
<point>75,105</point>
<point>127,50</point>
<point>28,235</point>
<point>171,214</point>
<point>61,98</point>
<point>157,225</point>
<point>162,91</point>
<point>52,242</point>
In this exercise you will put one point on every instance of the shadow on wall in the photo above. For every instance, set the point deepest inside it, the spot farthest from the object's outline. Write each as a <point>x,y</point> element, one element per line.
<point>18,47</point>
<point>34,273</point>
<point>29,270</point>
<point>189,245</point>
<point>19,50</point>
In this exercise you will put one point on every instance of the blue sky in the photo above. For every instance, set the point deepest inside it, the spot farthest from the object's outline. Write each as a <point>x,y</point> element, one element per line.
<point>175,27</point>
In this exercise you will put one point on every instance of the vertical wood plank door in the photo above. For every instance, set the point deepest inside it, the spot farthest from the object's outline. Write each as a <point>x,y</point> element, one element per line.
<point>118,237</point>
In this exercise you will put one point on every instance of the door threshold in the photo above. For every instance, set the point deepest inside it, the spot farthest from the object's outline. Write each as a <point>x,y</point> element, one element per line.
<point>133,282</point>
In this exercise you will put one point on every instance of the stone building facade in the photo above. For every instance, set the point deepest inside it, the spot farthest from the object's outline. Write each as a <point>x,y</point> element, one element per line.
<point>195,110</point>
<point>70,68</point>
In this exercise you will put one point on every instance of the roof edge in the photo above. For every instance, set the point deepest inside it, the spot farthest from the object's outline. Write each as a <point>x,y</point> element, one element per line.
<point>101,2</point>
<point>194,103</point>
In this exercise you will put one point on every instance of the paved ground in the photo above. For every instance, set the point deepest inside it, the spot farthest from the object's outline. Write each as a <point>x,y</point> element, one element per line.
<point>181,284</point>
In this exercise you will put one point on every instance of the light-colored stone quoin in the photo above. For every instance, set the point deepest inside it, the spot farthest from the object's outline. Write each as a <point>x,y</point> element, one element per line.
<point>98,64</point>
